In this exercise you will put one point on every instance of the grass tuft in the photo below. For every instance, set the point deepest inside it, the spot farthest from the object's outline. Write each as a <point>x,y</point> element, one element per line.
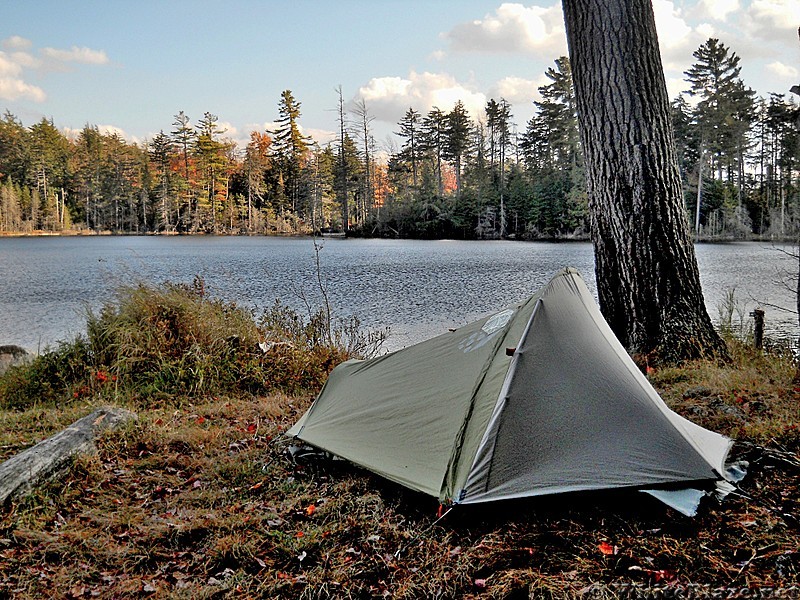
<point>157,343</point>
<point>196,498</point>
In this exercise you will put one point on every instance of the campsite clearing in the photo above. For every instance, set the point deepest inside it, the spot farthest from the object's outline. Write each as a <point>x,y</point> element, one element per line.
<point>197,499</point>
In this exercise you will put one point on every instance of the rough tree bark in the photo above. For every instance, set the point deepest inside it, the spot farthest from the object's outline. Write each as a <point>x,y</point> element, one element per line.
<point>647,277</point>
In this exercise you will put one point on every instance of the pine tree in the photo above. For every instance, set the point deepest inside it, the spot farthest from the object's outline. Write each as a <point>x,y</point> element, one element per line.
<point>257,164</point>
<point>724,114</point>
<point>458,142</point>
<point>498,119</point>
<point>410,130</point>
<point>161,149</point>
<point>48,167</point>
<point>291,148</point>
<point>434,130</point>
<point>363,132</point>
<point>211,154</point>
<point>184,136</point>
<point>557,110</point>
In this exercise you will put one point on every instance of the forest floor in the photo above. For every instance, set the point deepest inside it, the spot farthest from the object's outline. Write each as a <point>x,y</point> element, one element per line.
<point>198,499</point>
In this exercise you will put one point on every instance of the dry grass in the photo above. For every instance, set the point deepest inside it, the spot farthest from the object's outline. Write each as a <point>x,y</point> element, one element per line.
<point>198,500</point>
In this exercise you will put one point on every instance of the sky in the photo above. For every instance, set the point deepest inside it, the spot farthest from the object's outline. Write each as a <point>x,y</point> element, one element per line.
<point>130,66</point>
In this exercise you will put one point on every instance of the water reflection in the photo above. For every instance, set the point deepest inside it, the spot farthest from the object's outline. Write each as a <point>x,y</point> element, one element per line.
<point>417,288</point>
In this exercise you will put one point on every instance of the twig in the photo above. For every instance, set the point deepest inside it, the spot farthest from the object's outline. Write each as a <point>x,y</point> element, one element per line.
<point>420,534</point>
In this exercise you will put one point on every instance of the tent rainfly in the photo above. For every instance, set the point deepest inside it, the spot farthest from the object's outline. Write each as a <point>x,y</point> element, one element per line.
<point>540,398</point>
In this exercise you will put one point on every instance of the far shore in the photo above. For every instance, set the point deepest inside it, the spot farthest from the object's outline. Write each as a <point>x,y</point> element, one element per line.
<point>338,234</point>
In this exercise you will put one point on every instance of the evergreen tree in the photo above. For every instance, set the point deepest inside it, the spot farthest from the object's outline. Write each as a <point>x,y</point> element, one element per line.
<point>184,136</point>
<point>47,172</point>
<point>291,149</point>
<point>410,130</point>
<point>557,111</point>
<point>432,142</point>
<point>257,165</point>
<point>161,149</point>
<point>212,161</point>
<point>88,159</point>
<point>367,196</point>
<point>498,120</point>
<point>14,148</point>
<point>458,142</point>
<point>724,114</point>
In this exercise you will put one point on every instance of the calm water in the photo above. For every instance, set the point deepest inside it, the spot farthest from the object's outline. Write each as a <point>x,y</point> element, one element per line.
<point>417,288</point>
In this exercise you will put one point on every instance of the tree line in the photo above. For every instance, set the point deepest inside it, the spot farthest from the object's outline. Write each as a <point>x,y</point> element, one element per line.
<point>452,174</point>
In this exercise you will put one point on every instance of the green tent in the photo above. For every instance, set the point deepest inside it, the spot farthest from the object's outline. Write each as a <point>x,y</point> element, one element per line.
<point>539,398</point>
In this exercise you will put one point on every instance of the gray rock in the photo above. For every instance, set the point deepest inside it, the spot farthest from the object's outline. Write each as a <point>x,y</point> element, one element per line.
<point>13,356</point>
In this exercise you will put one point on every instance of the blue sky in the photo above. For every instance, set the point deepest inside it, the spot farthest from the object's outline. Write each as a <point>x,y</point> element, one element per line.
<point>130,66</point>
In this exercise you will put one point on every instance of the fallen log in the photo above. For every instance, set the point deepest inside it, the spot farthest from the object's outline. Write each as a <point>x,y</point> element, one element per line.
<point>49,458</point>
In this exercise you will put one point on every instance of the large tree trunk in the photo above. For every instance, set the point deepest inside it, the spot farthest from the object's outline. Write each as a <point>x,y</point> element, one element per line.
<point>647,276</point>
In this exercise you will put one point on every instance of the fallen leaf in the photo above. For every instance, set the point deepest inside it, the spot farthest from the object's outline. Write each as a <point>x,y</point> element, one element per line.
<point>606,548</point>
<point>310,510</point>
<point>252,428</point>
<point>200,420</point>
<point>663,575</point>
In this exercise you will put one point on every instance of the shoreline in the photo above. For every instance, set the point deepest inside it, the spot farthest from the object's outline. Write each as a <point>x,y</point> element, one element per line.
<point>341,235</point>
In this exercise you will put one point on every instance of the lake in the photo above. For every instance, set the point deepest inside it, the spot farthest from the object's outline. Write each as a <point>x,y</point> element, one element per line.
<point>416,288</point>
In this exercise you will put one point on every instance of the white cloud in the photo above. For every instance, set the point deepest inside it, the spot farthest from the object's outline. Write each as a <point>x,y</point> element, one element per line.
<point>111,130</point>
<point>676,38</point>
<point>25,60</point>
<point>379,88</point>
<point>16,42</point>
<point>388,98</point>
<point>79,55</point>
<point>779,14</point>
<point>321,136</point>
<point>782,70</point>
<point>16,89</point>
<point>676,85</point>
<point>8,66</point>
<point>267,126</point>
<point>513,28</point>
<point>12,85</point>
<point>719,10</point>
<point>518,90</point>
<point>228,129</point>
<point>71,133</point>
<point>770,26</point>
<point>706,30</point>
